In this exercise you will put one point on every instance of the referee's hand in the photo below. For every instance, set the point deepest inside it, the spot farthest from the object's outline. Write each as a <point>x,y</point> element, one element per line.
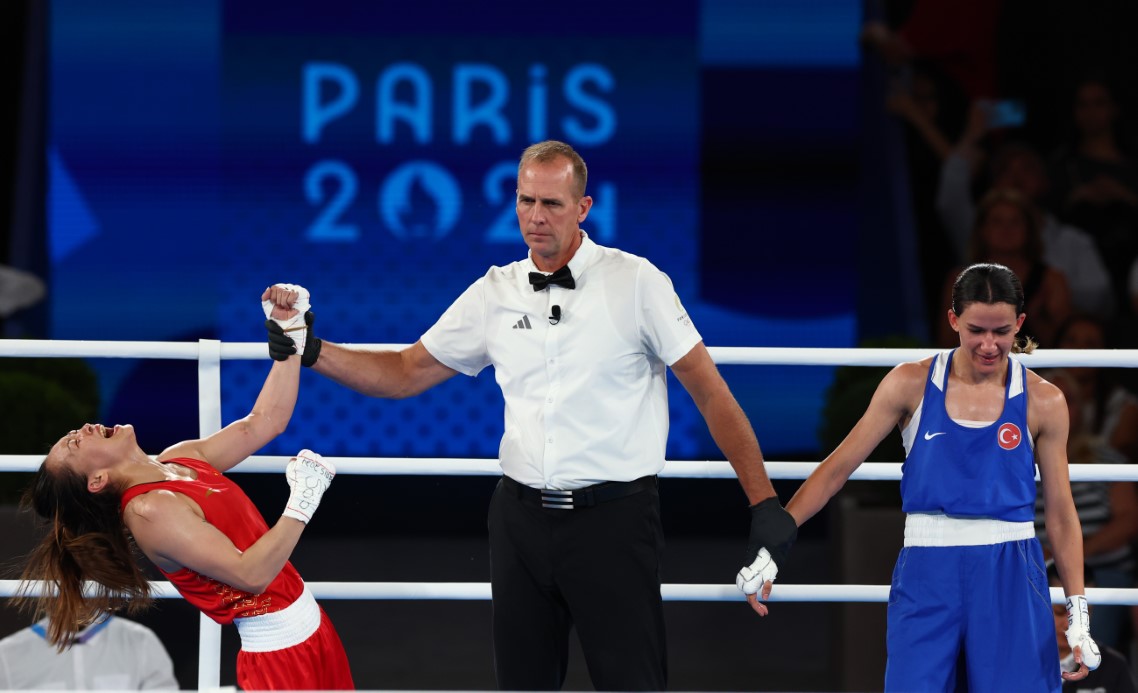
<point>773,531</point>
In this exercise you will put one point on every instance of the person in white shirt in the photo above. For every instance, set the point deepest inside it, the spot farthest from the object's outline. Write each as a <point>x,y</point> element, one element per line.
<point>580,337</point>
<point>115,653</point>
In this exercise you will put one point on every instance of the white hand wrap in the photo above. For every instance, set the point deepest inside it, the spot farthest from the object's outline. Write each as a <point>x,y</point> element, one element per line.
<point>751,578</point>
<point>295,327</point>
<point>309,477</point>
<point>1078,631</point>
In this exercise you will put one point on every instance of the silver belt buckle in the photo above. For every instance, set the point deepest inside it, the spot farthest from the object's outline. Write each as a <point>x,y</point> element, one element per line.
<point>560,500</point>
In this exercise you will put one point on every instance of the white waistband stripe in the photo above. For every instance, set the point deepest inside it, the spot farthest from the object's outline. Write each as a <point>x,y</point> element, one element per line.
<point>925,529</point>
<point>282,629</point>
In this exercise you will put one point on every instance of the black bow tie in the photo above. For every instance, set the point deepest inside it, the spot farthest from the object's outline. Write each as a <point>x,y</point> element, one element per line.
<point>562,277</point>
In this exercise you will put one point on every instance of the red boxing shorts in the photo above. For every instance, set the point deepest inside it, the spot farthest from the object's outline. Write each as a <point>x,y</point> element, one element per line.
<point>296,648</point>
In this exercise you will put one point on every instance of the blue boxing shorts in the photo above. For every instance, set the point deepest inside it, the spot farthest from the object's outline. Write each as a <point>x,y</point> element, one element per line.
<point>974,618</point>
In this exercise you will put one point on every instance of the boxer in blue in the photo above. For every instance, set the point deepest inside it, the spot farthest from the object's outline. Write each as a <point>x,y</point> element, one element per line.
<point>970,584</point>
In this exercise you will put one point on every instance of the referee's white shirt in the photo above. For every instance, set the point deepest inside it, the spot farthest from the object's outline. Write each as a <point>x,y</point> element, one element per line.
<point>586,398</point>
<point>117,654</point>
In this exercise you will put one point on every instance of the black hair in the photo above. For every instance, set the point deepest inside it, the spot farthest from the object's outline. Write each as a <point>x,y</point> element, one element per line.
<point>85,541</point>
<point>990,283</point>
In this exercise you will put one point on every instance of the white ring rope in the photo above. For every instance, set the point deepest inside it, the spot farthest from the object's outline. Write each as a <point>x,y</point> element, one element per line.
<point>457,466</point>
<point>746,356</point>
<point>209,353</point>
<point>480,591</point>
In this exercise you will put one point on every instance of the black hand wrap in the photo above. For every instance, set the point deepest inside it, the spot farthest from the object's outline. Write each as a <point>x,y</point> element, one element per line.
<point>281,346</point>
<point>772,528</point>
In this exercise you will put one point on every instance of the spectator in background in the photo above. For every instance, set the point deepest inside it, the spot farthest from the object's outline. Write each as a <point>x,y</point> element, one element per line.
<point>1096,181</point>
<point>114,653</point>
<point>918,103</point>
<point>1018,166</point>
<point>958,37</point>
<point>1108,513</point>
<point>1110,411</point>
<point>1007,232</point>
<point>1113,675</point>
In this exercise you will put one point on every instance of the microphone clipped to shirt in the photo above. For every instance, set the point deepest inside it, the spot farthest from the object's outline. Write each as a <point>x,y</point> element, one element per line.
<point>562,277</point>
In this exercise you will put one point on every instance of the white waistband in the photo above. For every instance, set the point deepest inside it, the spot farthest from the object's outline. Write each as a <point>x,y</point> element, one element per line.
<point>929,529</point>
<point>282,629</point>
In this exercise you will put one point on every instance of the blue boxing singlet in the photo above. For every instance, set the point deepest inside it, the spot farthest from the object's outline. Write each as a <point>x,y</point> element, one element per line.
<point>960,471</point>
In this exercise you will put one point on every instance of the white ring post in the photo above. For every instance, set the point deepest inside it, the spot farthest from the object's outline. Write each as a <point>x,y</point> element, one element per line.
<point>209,421</point>
<point>209,386</point>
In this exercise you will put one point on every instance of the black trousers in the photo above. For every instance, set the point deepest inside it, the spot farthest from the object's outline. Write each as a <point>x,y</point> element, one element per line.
<point>595,568</point>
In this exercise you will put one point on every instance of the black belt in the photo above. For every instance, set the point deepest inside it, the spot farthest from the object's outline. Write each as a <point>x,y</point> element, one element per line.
<point>578,498</point>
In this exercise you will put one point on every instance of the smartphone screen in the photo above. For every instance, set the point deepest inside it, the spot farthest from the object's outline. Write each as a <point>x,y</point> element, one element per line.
<point>1005,113</point>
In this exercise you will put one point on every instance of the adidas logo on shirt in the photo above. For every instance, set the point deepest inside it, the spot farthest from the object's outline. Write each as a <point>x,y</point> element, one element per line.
<point>523,324</point>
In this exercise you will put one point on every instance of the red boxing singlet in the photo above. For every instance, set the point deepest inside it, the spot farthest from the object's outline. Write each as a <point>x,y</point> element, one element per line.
<point>282,648</point>
<point>228,508</point>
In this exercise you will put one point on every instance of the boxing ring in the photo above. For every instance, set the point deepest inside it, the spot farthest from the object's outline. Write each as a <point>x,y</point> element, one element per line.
<point>210,353</point>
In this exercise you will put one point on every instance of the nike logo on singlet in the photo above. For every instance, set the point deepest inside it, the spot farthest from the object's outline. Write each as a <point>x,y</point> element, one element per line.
<point>930,436</point>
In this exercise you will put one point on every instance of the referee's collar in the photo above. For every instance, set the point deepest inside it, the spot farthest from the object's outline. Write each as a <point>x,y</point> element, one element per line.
<point>578,263</point>
<point>81,638</point>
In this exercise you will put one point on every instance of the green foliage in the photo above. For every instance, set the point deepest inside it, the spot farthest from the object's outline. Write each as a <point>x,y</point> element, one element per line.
<point>848,397</point>
<point>43,399</point>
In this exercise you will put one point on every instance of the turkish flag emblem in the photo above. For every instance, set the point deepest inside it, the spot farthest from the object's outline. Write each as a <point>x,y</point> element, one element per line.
<point>1009,436</point>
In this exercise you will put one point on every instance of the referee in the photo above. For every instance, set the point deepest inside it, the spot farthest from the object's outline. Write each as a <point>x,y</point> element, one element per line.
<point>580,337</point>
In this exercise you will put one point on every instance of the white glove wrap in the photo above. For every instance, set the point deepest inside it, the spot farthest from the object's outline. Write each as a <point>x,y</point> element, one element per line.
<point>309,476</point>
<point>751,578</point>
<point>1078,631</point>
<point>294,327</point>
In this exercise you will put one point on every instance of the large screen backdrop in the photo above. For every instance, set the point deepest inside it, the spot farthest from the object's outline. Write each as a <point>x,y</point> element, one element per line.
<point>201,151</point>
